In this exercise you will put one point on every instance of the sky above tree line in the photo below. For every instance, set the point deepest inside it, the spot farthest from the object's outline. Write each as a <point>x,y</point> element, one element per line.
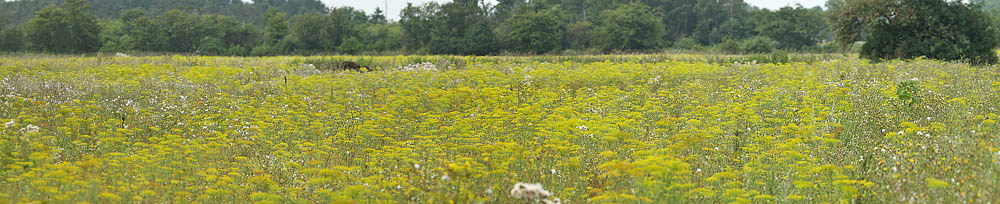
<point>396,5</point>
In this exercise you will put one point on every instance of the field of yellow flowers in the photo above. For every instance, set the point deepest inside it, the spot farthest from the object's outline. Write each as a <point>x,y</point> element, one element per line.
<point>600,129</point>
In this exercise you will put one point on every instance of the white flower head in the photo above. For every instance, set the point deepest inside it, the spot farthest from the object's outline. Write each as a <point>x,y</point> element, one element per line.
<point>31,128</point>
<point>529,191</point>
<point>8,124</point>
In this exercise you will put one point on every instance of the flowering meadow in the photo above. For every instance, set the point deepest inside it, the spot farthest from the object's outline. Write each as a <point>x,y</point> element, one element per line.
<point>600,129</point>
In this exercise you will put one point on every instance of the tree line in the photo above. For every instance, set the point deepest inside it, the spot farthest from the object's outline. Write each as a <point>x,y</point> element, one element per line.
<point>461,27</point>
<point>465,27</point>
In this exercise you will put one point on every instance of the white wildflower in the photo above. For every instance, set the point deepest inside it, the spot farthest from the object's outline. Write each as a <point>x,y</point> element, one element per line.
<point>31,128</point>
<point>121,55</point>
<point>553,201</point>
<point>425,66</point>
<point>8,124</point>
<point>529,191</point>
<point>583,128</point>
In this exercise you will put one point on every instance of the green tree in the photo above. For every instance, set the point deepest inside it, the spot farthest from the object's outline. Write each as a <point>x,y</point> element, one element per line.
<point>114,37</point>
<point>378,17</point>
<point>68,28</point>
<point>319,32</point>
<point>462,27</point>
<point>633,26</point>
<point>211,46</point>
<point>182,31</point>
<point>148,33</point>
<point>276,26</point>
<point>383,37</point>
<point>235,37</point>
<point>416,23</point>
<point>792,27</point>
<point>579,35</point>
<point>276,34</point>
<point>534,32</point>
<point>11,37</point>
<point>936,29</point>
<point>344,22</point>
<point>311,32</point>
<point>351,45</point>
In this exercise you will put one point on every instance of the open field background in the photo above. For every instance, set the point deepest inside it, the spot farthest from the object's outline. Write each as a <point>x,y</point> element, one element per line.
<point>591,129</point>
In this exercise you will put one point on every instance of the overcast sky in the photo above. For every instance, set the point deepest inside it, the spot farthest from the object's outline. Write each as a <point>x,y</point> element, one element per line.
<point>396,5</point>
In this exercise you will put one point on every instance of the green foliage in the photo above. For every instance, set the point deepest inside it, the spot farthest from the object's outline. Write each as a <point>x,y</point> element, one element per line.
<point>276,26</point>
<point>383,37</point>
<point>11,39</point>
<point>236,50</point>
<point>921,28</point>
<point>580,34</point>
<point>318,32</point>
<point>729,46</point>
<point>533,32</point>
<point>688,43</point>
<point>461,28</point>
<point>908,92</point>
<point>183,31</point>
<point>21,11</point>
<point>633,26</point>
<point>210,46</point>
<point>416,23</point>
<point>310,31</point>
<point>65,29</point>
<point>147,33</point>
<point>792,27</point>
<point>758,44</point>
<point>263,50</point>
<point>351,46</point>
<point>114,37</point>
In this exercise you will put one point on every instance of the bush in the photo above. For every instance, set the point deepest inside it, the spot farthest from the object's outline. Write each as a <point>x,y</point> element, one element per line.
<point>351,46</point>
<point>11,39</point>
<point>210,46</point>
<point>729,46</point>
<point>688,43</point>
<point>937,29</point>
<point>236,50</point>
<point>758,45</point>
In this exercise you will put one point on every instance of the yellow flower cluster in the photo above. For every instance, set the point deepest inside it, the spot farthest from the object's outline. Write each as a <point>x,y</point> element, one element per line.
<point>593,129</point>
